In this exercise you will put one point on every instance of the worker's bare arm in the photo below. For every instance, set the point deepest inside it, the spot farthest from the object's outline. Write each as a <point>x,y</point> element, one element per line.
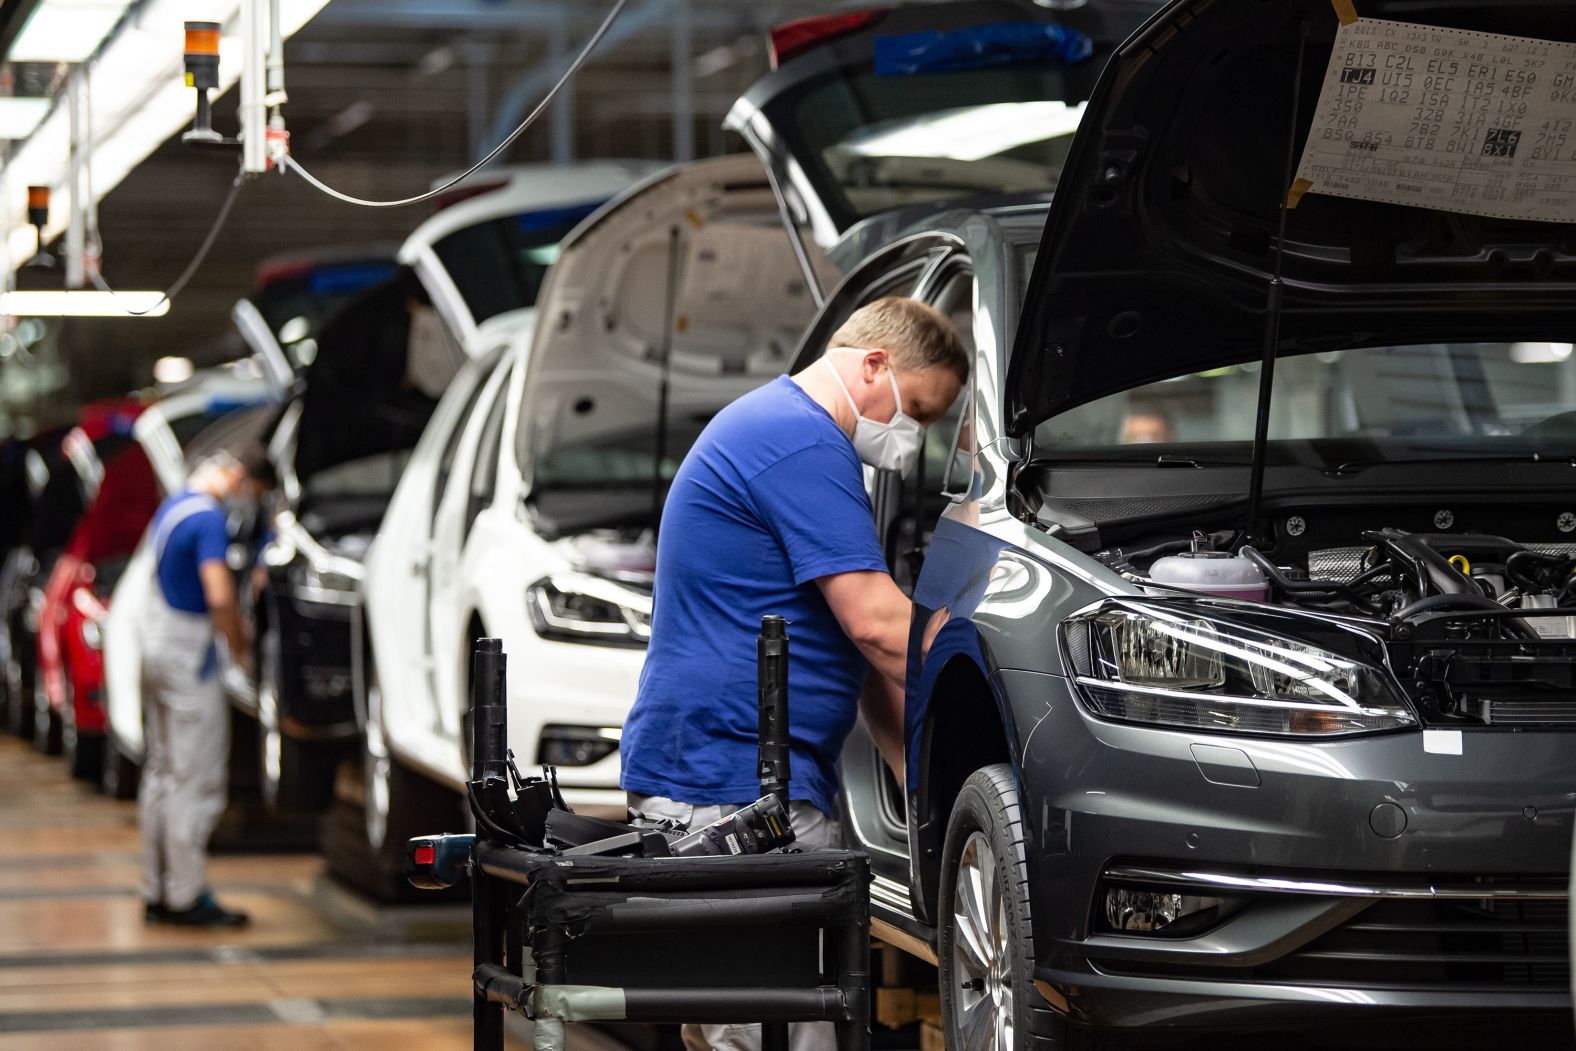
<point>218,588</point>
<point>881,705</point>
<point>875,615</point>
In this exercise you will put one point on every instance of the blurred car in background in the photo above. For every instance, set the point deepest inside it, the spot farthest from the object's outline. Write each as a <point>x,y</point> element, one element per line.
<point>529,508</point>
<point>70,671</point>
<point>63,470</point>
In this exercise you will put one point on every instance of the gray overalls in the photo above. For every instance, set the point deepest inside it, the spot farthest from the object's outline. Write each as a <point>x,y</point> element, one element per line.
<point>188,737</point>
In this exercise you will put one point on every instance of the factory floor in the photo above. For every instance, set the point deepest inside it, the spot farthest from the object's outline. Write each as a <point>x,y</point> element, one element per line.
<point>316,969</point>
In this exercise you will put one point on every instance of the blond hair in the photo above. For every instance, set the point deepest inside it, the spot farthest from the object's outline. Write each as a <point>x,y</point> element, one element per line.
<point>915,334</point>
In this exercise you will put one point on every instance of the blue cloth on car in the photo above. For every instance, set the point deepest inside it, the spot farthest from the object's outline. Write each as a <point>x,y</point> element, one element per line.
<point>770,498</point>
<point>979,47</point>
<point>188,529</point>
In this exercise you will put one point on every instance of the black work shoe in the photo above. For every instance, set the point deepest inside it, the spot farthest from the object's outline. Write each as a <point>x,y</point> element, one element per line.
<point>204,912</point>
<point>153,911</point>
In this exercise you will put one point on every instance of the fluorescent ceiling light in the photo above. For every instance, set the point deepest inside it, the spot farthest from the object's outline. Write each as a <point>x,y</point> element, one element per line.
<point>84,304</point>
<point>66,30</point>
<point>172,370</point>
<point>20,115</point>
<point>969,133</point>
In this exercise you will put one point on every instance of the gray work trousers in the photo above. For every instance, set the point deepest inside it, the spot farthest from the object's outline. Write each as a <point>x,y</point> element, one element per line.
<point>813,830</point>
<point>187,735</point>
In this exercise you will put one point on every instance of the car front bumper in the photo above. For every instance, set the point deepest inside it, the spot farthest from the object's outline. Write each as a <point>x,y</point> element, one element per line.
<point>1408,871</point>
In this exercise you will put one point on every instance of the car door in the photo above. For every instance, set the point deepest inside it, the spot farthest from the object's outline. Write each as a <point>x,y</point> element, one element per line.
<point>874,815</point>
<point>398,563</point>
<point>445,645</point>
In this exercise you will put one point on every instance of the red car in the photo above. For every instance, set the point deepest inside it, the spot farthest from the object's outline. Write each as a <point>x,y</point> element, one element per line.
<point>70,661</point>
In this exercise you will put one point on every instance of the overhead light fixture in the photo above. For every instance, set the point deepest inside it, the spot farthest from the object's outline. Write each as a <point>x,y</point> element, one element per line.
<point>19,115</point>
<point>84,304</point>
<point>66,30</point>
<point>172,370</point>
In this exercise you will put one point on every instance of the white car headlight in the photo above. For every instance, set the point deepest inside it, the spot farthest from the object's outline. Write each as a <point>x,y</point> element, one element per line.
<point>322,584</point>
<point>1167,667</point>
<point>575,607</point>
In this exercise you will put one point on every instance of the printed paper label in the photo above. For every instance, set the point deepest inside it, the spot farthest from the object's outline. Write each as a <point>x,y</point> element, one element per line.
<point>1447,119</point>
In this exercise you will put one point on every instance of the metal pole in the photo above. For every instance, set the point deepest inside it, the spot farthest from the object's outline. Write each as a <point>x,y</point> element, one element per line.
<point>254,119</point>
<point>683,83</point>
<point>489,756</point>
<point>771,681</point>
<point>561,129</point>
<point>76,230</point>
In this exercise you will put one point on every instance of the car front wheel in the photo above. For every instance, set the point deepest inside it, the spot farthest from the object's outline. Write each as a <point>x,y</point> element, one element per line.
<point>296,777</point>
<point>988,999</point>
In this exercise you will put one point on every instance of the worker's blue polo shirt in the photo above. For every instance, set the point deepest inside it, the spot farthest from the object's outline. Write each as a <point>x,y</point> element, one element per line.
<point>770,498</point>
<point>188,529</point>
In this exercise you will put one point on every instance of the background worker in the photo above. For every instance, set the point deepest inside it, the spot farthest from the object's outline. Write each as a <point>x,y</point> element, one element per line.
<point>768,514</point>
<point>188,720</point>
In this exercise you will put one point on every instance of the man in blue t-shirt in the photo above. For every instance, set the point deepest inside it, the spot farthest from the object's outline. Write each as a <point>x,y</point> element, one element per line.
<point>187,719</point>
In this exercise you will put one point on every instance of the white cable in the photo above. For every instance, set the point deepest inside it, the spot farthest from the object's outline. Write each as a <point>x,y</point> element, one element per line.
<point>289,161</point>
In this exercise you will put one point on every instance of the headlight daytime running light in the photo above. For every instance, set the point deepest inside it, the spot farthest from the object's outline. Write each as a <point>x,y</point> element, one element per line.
<point>1147,664</point>
<point>577,607</point>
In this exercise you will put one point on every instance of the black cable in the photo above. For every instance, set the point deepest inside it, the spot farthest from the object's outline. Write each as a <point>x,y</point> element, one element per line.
<point>179,284</point>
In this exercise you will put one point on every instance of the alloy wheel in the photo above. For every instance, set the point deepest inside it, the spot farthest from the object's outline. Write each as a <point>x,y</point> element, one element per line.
<point>982,953</point>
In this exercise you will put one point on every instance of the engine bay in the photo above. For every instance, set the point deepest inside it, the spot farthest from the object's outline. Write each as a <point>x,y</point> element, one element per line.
<point>1479,629</point>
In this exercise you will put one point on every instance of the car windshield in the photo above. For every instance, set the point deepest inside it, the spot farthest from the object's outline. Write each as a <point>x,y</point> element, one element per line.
<point>874,142</point>
<point>498,265</point>
<point>1434,401</point>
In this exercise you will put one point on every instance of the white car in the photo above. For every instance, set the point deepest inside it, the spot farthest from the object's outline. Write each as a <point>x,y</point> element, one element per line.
<point>378,367</point>
<point>528,510</point>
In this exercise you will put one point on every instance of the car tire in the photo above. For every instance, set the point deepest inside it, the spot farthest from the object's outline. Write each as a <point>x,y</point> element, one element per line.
<point>19,709</point>
<point>365,847</point>
<point>986,942</point>
<point>84,753</point>
<point>118,773</point>
<point>294,776</point>
<point>46,721</point>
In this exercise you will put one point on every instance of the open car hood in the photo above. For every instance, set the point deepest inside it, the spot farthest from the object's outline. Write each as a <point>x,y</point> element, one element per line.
<point>1159,251</point>
<point>694,262</point>
<point>382,362</point>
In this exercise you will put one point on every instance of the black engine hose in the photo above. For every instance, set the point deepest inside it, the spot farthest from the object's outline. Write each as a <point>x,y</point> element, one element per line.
<point>1300,587</point>
<point>1535,572</point>
<point>1463,601</point>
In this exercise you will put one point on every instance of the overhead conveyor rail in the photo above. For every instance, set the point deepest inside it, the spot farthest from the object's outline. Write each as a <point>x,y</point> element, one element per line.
<point>564,935</point>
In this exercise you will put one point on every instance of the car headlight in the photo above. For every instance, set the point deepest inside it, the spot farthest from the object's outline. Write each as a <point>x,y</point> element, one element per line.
<point>580,608</point>
<point>1164,667</point>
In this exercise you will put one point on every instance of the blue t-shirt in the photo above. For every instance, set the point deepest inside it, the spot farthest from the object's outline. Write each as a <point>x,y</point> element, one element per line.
<point>770,497</point>
<point>188,530</point>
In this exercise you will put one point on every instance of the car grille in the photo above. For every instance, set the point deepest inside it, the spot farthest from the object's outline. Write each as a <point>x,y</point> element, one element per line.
<point>1482,942</point>
<point>1532,713</point>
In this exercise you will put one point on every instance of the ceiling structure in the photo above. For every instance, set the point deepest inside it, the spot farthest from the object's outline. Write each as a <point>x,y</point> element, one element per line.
<point>386,96</point>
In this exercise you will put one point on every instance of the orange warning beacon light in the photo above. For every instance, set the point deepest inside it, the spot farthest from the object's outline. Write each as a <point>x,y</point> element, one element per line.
<point>38,206</point>
<point>202,73</point>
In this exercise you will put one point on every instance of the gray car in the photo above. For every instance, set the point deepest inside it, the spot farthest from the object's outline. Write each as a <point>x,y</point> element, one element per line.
<point>1242,685</point>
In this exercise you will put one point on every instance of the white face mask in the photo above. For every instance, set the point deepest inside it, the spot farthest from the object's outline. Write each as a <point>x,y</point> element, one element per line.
<point>891,446</point>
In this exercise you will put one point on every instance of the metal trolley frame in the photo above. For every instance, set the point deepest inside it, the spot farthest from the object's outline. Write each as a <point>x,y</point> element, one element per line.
<point>570,937</point>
